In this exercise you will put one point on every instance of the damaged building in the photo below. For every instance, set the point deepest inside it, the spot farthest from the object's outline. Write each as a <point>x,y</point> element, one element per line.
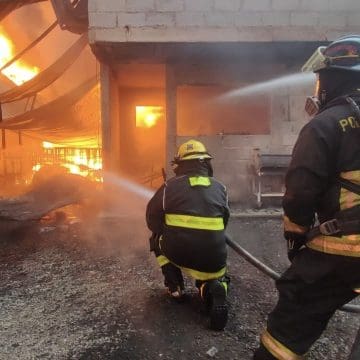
<point>157,73</point>
<point>185,63</point>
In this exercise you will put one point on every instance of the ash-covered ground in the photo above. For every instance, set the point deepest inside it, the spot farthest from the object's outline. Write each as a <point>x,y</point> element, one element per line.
<point>92,290</point>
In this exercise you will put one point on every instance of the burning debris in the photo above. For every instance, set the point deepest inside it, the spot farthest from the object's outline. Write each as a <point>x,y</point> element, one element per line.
<point>52,189</point>
<point>19,72</point>
<point>78,160</point>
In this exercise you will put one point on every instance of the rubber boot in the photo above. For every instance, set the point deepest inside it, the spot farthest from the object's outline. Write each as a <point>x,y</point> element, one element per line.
<point>214,293</point>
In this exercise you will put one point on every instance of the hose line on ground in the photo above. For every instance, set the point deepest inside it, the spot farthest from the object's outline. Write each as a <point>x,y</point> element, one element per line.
<point>270,272</point>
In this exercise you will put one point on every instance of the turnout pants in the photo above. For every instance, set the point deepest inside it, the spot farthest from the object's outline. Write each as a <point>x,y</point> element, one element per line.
<point>310,291</point>
<point>173,278</point>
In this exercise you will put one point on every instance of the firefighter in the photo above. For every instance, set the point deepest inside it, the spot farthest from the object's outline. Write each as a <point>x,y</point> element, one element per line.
<point>321,208</point>
<point>187,216</point>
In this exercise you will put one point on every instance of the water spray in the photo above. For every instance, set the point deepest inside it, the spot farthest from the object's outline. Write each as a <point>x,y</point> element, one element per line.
<point>129,185</point>
<point>304,79</point>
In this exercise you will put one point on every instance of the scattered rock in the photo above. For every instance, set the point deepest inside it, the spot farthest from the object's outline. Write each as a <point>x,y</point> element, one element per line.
<point>212,351</point>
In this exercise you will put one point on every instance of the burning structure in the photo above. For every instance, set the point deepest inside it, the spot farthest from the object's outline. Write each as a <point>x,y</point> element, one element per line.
<point>182,56</point>
<point>174,70</point>
<point>49,97</point>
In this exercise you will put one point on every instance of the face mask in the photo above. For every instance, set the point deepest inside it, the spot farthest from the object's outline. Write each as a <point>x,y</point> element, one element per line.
<point>312,105</point>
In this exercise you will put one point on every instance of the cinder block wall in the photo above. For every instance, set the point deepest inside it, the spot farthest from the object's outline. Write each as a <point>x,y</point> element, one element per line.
<point>233,154</point>
<point>221,20</point>
<point>159,21</point>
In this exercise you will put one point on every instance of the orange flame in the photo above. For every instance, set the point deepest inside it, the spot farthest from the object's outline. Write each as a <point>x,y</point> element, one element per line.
<point>18,72</point>
<point>77,161</point>
<point>148,116</point>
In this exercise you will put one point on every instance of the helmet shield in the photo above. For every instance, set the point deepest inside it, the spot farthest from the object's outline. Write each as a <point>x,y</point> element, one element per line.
<point>316,61</point>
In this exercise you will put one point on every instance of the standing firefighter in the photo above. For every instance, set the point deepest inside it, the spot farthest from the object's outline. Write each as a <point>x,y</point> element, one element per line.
<point>322,183</point>
<point>188,216</point>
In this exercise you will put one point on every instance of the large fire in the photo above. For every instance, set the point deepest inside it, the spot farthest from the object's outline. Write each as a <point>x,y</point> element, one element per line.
<point>86,162</point>
<point>18,72</point>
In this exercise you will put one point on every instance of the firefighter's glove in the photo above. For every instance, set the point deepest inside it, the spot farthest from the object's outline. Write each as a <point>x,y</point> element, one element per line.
<point>154,241</point>
<point>295,241</point>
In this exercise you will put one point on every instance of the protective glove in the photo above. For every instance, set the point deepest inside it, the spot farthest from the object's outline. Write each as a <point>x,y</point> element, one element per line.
<point>295,241</point>
<point>154,241</point>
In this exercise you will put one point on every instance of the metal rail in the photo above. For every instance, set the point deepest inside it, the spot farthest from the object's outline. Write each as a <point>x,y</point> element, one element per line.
<point>270,272</point>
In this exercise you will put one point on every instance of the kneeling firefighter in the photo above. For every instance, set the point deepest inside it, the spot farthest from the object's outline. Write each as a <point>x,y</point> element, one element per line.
<point>321,208</point>
<point>188,215</point>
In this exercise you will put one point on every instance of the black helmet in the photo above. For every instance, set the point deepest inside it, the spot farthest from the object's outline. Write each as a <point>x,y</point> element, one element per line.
<point>341,54</point>
<point>338,68</point>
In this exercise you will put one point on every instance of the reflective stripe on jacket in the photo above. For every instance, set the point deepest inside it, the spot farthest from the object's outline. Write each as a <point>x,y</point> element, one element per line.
<point>346,245</point>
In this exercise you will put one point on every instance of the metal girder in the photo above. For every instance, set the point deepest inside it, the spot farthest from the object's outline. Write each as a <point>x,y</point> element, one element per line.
<point>72,15</point>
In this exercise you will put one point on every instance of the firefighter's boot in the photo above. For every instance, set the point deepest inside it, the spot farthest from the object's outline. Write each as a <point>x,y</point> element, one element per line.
<point>214,293</point>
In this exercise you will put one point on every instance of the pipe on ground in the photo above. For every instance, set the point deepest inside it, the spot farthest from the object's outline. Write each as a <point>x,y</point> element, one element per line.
<point>270,272</point>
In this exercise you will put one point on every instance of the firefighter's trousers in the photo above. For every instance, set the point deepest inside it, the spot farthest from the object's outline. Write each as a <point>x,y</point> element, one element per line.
<point>310,291</point>
<point>173,273</point>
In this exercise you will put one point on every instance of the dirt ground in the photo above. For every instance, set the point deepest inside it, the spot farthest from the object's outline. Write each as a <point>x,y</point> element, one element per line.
<point>93,291</point>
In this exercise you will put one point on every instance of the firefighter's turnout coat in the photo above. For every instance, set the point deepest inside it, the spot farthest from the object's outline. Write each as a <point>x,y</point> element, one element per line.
<point>327,150</point>
<point>190,211</point>
<point>325,274</point>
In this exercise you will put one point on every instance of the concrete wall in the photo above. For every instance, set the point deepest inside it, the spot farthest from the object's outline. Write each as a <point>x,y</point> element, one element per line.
<point>234,154</point>
<point>221,20</point>
<point>214,22</point>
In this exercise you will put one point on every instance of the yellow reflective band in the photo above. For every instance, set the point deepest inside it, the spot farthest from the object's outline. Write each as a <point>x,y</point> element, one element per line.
<point>202,288</point>
<point>225,285</point>
<point>278,350</point>
<point>293,227</point>
<point>199,275</point>
<point>199,181</point>
<point>353,176</point>
<point>162,260</point>
<point>347,245</point>
<point>349,199</point>
<point>194,222</point>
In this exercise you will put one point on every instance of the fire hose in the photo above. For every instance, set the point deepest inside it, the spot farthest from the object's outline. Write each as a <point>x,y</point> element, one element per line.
<point>270,272</point>
<point>261,266</point>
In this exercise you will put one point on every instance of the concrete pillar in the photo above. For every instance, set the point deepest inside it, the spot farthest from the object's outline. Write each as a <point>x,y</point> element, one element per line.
<point>110,122</point>
<point>171,133</point>
<point>105,115</point>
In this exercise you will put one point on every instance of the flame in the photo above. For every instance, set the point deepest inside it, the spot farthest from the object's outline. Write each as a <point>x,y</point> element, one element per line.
<point>47,145</point>
<point>80,161</point>
<point>18,72</point>
<point>148,116</point>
